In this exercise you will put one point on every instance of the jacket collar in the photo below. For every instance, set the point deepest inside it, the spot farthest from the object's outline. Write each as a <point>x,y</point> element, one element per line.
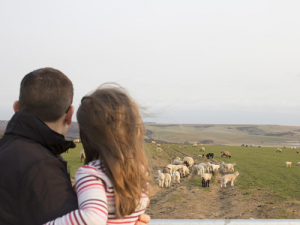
<point>29,126</point>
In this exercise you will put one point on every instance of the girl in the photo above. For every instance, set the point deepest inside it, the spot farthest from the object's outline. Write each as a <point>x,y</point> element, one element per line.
<point>112,185</point>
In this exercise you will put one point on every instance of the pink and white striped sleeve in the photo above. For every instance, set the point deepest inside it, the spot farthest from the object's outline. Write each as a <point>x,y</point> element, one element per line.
<point>92,200</point>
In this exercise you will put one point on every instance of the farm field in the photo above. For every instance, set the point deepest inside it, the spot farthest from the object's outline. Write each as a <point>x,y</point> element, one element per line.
<point>265,188</point>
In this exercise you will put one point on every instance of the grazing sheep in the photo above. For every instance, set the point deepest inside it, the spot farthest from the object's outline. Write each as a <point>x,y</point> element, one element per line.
<point>287,164</point>
<point>179,146</point>
<point>158,145</point>
<point>184,146</point>
<point>259,146</point>
<point>202,149</point>
<point>168,179</point>
<point>297,164</point>
<point>185,171</point>
<point>284,147</point>
<point>161,178</point>
<point>176,176</point>
<point>153,142</point>
<point>205,178</point>
<point>229,177</point>
<point>82,155</point>
<point>188,161</point>
<point>225,153</point>
<point>251,145</point>
<point>242,145</point>
<point>297,151</point>
<point>194,145</point>
<point>278,150</point>
<point>295,148</point>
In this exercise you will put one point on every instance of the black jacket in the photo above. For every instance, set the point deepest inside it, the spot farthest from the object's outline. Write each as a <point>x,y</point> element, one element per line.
<point>35,186</point>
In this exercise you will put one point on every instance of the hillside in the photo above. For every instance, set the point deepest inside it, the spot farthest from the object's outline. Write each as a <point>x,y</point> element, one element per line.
<point>263,135</point>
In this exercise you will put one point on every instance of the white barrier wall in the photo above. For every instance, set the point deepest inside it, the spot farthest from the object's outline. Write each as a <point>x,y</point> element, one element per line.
<point>225,222</point>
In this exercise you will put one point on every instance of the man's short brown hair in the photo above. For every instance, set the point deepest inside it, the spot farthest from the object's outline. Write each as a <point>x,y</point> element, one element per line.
<point>46,93</point>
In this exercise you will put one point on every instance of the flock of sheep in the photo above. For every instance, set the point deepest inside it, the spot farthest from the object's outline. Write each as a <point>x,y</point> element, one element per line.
<point>182,168</point>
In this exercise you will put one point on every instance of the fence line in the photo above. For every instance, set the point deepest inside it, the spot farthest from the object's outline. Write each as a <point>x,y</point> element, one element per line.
<point>224,222</point>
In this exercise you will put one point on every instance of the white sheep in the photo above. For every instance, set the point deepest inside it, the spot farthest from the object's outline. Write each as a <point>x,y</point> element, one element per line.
<point>176,176</point>
<point>229,167</point>
<point>200,169</point>
<point>205,178</point>
<point>287,164</point>
<point>206,166</point>
<point>297,164</point>
<point>229,177</point>
<point>214,168</point>
<point>278,150</point>
<point>177,162</point>
<point>202,149</point>
<point>185,171</point>
<point>173,167</point>
<point>189,161</point>
<point>161,178</point>
<point>167,180</point>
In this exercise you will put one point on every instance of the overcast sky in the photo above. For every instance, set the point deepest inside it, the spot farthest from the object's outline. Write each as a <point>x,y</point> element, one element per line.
<point>204,62</point>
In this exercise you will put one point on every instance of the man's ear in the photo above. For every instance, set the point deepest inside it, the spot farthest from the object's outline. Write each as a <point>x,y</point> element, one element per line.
<point>16,106</point>
<point>69,115</point>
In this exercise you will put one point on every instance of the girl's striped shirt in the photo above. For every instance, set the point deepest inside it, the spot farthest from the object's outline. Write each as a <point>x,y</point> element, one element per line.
<point>96,200</point>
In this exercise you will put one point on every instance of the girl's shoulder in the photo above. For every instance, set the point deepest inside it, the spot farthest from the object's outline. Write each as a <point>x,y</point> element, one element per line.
<point>93,168</point>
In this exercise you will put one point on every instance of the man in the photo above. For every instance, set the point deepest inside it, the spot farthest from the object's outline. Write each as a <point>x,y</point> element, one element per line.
<point>35,186</point>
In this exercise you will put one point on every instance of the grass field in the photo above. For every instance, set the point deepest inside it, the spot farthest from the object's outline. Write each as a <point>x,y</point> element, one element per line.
<point>259,168</point>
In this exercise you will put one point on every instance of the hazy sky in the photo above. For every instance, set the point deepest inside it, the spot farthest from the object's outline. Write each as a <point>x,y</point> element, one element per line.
<point>229,62</point>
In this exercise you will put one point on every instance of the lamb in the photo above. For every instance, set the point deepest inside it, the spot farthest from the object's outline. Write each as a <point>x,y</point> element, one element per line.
<point>201,156</point>
<point>287,164</point>
<point>278,150</point>
<point>176,176</point>
<point>229,167</point>
<point>205,178</point>
<point>200,169</point>
<point>225,153</point>
<point>214,168</point>
<point>173,167</point>
<point>205,166</point>
<point>229,177</point>
<point>82,155</point>
<point>161,178</point>
<point>185,171</point>
<point>202,149</point>
<point>167,180</point>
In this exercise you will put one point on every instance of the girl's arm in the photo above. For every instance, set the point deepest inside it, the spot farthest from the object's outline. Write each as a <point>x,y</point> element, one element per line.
<point>92,201</point>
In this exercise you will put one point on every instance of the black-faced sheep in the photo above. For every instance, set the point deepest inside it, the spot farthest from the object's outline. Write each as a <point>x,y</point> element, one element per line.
<point>205,178</point>
<point>210,155</point>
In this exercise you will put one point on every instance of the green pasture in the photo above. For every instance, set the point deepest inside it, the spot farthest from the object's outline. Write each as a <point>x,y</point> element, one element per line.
<point>259,168</point>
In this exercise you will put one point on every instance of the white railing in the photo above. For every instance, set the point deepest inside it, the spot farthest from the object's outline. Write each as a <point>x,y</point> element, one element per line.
<point>225,222</point>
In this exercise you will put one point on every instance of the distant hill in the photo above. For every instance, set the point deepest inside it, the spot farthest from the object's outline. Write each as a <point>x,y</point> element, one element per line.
<point>263,135</point>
